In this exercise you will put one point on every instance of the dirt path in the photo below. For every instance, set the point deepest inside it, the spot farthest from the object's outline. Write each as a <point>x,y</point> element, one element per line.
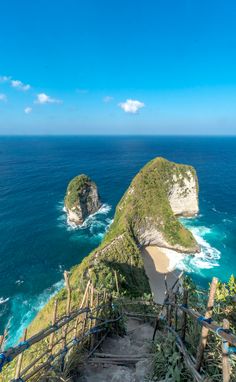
<point>157,264</point>
<point>107,364</point>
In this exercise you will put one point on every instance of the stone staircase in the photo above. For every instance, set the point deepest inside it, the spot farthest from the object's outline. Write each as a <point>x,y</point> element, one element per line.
<point>122,359</point>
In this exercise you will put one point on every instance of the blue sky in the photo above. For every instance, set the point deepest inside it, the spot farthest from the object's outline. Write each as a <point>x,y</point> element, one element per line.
<point>118,67</point>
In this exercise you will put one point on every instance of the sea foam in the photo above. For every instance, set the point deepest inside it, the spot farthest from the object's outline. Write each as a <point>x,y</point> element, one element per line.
<point>96,225</point>
<point>95,220</point>
<point>207,258</point>
<point>3,300</point>
<point>29,307</point>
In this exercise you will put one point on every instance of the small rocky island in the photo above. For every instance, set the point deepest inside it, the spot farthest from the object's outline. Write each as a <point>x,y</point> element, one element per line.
<point>82,199</point>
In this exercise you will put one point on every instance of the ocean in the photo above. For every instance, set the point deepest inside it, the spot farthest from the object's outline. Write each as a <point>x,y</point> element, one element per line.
<point>37,244</point>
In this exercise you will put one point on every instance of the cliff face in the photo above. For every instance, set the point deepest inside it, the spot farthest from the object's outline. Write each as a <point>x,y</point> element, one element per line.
<point>159,192</point>
<point>82,199</point>
<point>145,215</point>
<point>183,194</point>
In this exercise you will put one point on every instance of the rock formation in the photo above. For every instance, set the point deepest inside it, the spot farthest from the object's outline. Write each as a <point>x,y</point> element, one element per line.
<point>146,215</point>
<point>81,200</point>
<point>159,193</point>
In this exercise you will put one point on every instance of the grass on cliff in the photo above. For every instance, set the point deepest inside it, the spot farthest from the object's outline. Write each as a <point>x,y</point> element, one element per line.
<point>119,250</point>
<point>74,189</point>
<point>167,361</point>
<point>145,203</point>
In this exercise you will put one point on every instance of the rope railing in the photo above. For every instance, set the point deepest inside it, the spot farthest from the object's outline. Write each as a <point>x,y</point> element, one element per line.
<point>83,325</point>
<point>77,327</point>
<point>207,325</point>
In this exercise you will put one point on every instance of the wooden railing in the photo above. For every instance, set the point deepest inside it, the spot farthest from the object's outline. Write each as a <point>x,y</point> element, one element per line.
<point>89,323</point>
<point>171,313</point>
<point>85,326</point>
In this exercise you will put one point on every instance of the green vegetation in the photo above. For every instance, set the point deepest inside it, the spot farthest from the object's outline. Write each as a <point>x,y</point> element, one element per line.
<point>145,204</point>
<point>75,187</point>
<point>167,362</point>
<point>145,198</point>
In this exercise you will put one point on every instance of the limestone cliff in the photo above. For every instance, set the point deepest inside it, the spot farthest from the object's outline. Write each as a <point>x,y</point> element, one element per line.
<point>147,214</point>
<point>82,199</point>
<point>183,194</point>
<point>159,192</point>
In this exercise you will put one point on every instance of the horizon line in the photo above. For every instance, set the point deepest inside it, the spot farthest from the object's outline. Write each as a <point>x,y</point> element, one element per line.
<point>119,135</point>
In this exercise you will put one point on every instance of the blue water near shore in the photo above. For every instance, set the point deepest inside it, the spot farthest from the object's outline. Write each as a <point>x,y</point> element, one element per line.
<point>37,245</point>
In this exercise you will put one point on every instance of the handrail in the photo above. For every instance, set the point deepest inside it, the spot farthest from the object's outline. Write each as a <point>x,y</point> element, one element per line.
<point>73,342</point>
<point>92,324</point>
<point>13,352</point>
<point>70,334</point>
<point>211,325</point>
<point>207,324</point>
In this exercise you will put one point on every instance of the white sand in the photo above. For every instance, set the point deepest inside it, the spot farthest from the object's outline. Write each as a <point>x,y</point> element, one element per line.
<point>159,262</point>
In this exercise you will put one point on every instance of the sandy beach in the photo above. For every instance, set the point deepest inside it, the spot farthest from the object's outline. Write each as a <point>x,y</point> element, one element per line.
<point>157,264</point>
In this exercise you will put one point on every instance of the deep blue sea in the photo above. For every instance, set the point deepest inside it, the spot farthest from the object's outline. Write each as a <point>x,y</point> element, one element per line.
<point>37,245</point>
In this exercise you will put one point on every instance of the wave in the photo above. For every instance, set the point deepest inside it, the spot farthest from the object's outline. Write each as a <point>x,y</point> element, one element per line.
<point>227,221</point>
<point>208,257</point>
<point>3,300</point>
<point>94,220</point>
<point>19,282</point>
<point>24,309</point>
<point>94,227</point>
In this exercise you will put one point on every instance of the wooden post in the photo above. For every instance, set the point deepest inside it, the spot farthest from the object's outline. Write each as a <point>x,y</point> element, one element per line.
<point>205,331</point>
<point>80,321</point>
<point>117,284</point>
<point>166,300</point>
<point>20,359</point>
<point>91,312</point>
<point>94,337</point>
<point>68,288</point>
<point>166,286</point>
<point>68,306</point>
<point>86,315</point>
<point>77,322</point>
<point>1,342</point>
<point>184,316</point>
<point>170,315</point>
<point>3,338</point>
<point>85,295</point>
<point>91,302</point>
<point>176,314</point>
<point>54,319</point>
<point>225,356</point>
<point>177,280</point>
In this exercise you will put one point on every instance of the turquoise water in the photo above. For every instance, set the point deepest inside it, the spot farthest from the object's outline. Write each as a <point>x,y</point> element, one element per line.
<point>37,245</point>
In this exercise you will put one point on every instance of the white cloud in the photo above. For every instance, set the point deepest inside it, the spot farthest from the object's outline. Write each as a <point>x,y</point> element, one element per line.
<point>15,83</point>
<point>28,110</point>
<point>3,97</point>
<point>131,106</point>
<point>43,98</point>
<point>108,99</point>
<point>19,85</point>
<point>5,78</point>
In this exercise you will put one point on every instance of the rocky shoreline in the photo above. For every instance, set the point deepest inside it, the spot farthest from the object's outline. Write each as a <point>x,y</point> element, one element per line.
<point>147,215</point>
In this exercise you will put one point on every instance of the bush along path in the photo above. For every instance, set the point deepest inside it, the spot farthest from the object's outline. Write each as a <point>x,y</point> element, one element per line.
<point>110,337</point>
